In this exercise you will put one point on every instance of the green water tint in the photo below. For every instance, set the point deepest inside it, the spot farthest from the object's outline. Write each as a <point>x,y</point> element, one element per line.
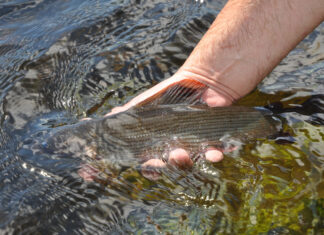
<point>62,60</point>
<point>263,188</point>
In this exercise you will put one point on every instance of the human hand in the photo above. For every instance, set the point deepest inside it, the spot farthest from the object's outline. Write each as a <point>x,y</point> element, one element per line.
<point>178,157</point>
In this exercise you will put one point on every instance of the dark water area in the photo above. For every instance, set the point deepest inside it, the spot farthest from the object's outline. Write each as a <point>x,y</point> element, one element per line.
<point>61,61</point>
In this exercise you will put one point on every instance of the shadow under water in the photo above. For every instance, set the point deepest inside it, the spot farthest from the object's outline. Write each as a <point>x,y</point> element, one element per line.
<point>64,60</point>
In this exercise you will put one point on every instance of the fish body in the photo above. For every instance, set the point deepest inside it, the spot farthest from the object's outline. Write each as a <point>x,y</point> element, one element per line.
<point>152,130</point>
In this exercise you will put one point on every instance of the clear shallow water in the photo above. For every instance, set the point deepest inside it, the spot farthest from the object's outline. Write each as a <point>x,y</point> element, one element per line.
<point>64,60</point>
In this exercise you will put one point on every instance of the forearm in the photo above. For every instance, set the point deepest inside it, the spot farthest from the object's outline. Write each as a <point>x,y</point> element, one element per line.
<point>247,40</point>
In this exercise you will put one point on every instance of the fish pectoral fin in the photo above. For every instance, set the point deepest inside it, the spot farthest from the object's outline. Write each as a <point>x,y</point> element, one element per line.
<point>187,91</point>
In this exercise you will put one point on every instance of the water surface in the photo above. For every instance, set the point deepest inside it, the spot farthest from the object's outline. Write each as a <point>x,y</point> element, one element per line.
<point>61,61</point>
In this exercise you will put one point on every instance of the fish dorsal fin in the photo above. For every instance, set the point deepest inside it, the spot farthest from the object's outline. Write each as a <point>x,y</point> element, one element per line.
<point>187,91</point>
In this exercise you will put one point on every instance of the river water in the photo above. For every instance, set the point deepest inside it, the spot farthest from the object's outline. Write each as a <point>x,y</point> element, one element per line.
<point>64,60</point>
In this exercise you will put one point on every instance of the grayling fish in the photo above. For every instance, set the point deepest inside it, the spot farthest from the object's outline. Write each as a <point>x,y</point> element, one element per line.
<point>150,131</point>
<point>170,119</point>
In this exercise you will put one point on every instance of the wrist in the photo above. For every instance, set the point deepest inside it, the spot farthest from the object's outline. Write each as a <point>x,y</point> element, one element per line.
<point>244,43</point>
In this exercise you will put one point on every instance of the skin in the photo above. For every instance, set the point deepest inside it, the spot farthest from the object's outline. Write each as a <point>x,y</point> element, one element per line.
<point>245,42</point>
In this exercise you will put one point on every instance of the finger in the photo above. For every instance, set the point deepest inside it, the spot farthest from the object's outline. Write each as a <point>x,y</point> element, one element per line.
<point>149,169</point>
<point>180,158</point>
<point>117,110</point>
<point>88,172</point>
<point>85,119</point>
<point>230,149</point>
<point>214,155</point>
